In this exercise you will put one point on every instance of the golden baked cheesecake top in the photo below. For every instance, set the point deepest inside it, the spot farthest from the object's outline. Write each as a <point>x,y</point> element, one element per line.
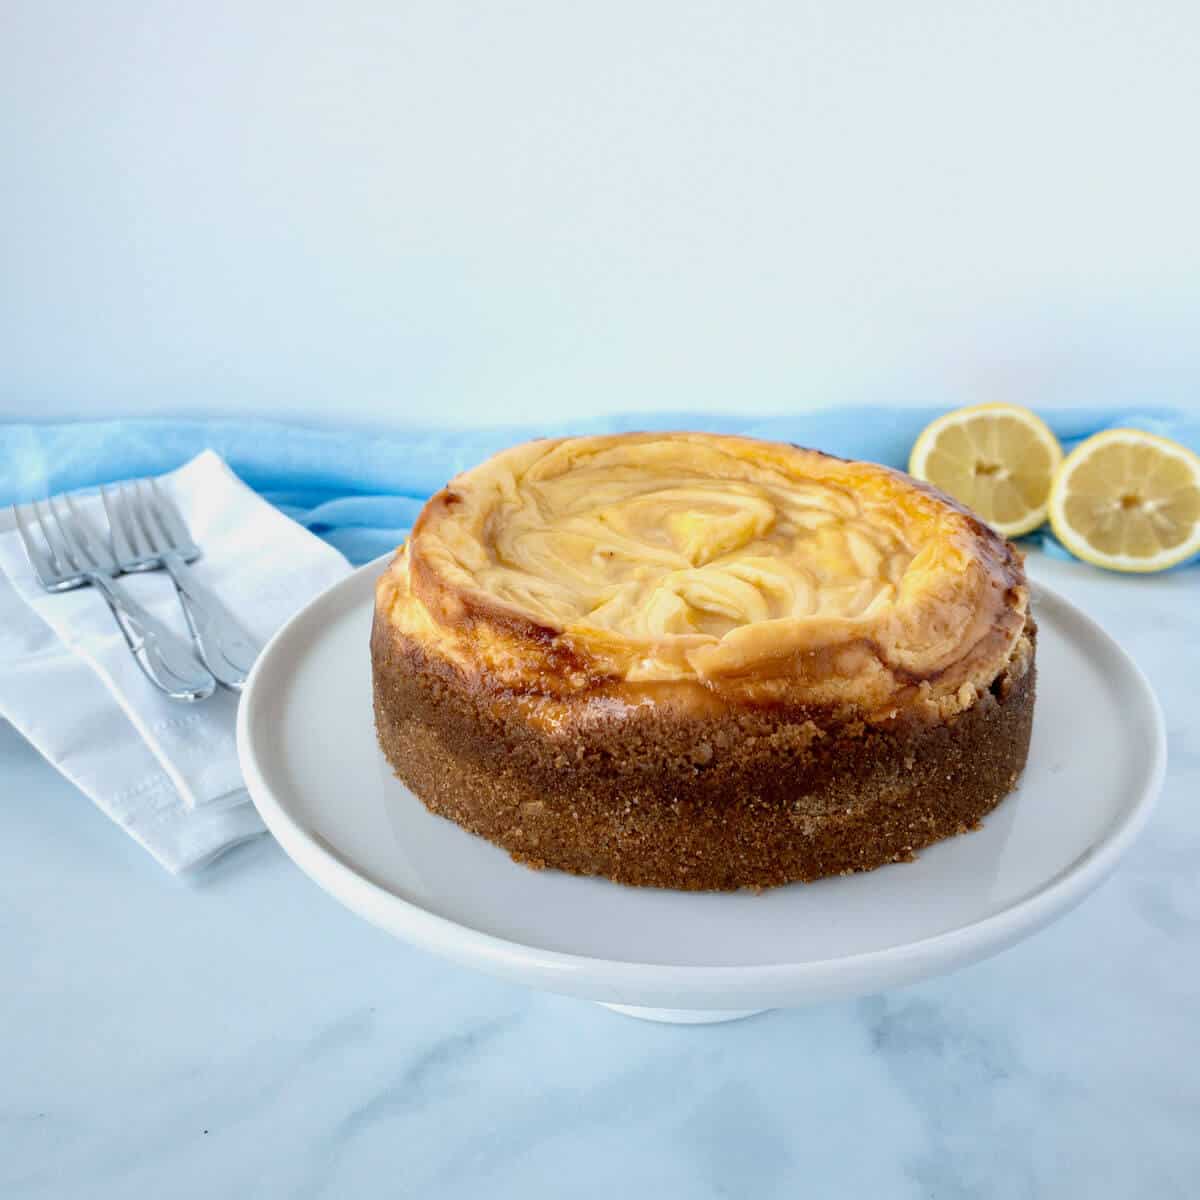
<point>754,570</point>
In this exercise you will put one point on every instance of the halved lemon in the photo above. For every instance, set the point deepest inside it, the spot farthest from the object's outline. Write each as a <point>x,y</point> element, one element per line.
<point>1129,501</point>
<point>997,459</point>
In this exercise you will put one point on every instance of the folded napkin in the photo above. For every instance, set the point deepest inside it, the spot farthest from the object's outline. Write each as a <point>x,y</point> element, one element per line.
<point>166,772</point>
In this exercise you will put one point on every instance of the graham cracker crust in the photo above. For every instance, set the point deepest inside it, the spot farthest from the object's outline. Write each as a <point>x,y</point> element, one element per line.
<point>652,796</point>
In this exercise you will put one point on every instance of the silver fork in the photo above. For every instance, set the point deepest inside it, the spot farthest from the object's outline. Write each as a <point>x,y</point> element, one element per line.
<point>148,533</point>
<point>69,558</point>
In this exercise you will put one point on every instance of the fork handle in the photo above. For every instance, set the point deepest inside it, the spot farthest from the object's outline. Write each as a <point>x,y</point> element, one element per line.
<point>224,649</point>
<point>164,658</point>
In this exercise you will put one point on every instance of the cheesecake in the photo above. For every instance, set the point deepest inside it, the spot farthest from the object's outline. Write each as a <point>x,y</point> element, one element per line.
<point>692,661</point>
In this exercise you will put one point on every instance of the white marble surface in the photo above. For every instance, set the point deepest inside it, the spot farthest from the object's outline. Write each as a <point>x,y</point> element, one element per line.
<point>242,1035</point>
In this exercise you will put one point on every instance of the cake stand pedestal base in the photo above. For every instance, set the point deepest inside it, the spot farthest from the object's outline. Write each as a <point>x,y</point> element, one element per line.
<point>684,1016</point>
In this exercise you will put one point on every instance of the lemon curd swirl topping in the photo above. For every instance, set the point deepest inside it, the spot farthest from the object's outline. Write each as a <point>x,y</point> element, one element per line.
<point>661,556</point>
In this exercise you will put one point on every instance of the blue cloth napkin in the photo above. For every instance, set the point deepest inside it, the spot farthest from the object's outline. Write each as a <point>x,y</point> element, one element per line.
<point>361,489</point>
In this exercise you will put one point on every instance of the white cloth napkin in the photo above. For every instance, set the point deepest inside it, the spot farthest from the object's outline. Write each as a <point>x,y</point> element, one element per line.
<point>166,772</point>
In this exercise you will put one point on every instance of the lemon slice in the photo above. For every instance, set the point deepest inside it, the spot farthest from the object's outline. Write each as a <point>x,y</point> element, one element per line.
<point>997,459</point>
<point>1128,501</point>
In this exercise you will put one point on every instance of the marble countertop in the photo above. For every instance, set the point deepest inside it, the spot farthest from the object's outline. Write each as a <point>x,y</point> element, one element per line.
<point>242,1035</point>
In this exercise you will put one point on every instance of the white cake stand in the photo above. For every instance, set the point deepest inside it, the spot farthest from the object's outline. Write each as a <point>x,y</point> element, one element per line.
<point>308,751</point>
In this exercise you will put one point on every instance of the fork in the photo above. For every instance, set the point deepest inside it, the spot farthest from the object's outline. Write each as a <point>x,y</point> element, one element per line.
<point>71,559</point>
<point>147,533</point>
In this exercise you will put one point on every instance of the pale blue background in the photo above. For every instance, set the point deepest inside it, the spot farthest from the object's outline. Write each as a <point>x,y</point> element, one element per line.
<point>457,211</point>
<point>452,213</point>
